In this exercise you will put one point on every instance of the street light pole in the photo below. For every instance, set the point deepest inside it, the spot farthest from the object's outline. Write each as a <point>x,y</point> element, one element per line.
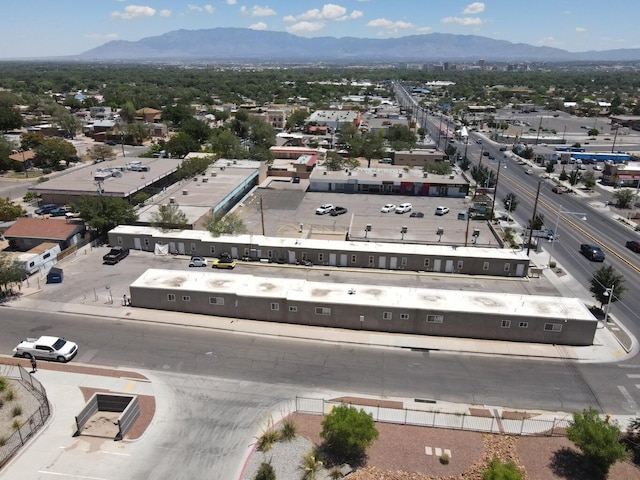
<point>613,147</point>
<point>533,218</point>
<point>555,231</point>
<point>609,292</point>
<point>495,190</point>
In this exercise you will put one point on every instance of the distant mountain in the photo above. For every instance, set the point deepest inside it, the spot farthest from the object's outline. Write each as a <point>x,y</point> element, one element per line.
<point>246,45</point>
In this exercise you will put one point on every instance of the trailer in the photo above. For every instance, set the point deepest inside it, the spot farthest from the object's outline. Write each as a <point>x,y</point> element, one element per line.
<point>39,258</point>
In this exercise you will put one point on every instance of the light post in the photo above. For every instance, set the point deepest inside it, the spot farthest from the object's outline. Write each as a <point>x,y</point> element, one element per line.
<point>615,137</point>
<point>555,231</point>
<point>609,293</point>
<point>564,132</point>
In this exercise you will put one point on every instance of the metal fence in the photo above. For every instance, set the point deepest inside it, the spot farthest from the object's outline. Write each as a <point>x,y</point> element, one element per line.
<point>10,445</point>
<point>402,416</point>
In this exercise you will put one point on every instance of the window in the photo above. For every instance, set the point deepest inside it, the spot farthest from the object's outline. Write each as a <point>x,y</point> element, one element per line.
<point>46,255</point>
<point>269,253</point>
<point>186,298</point>
<point>212,249</point>
<point>146,242</point>
<point>371,260</point>
<point>404,316</point>
<point>403,261</point>
<point>354,258</point>
<point>387,315</point>
<point>426,263</point>
<point>321,257</point>
<point>507,267</point>
<point>506,324</point>
<point>435,318</point>
<point>246,251</point>
<point>552,327</point>
<point>275,306</point>
<point>460,264</point>
<point>323,311</point>
<point>171,297</point>
<point>293,309</point>
<point>485,266</point>
<point>216,301</point>
<point>193,247</point>
<point>523,324</point>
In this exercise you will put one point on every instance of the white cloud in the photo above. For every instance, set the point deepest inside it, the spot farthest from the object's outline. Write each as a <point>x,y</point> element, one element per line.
<point>243,9</point>
<point>328,12</point>
<point>462,21</point>
<point>134,11</point>
<point>305,27</point>
<point>165,13</point>
<point>389,25</point>
<point>423,29</point>
<point>232,2</point>
<point>473,8</point>
<point>194,8</point>
<point>100,36</point>
<point>258,26</point>
<point>209,8</point>
<point>198,8</point>
<point>257,11</point>
<point>548,41</point>
<point>581,30</point>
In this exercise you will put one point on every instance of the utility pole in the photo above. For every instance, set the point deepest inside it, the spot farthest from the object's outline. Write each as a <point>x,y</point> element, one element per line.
<point>613,147</point>
<point>533,218</point>
<point>261,215</point>
<point>539,127</point>
<point>495,190</point>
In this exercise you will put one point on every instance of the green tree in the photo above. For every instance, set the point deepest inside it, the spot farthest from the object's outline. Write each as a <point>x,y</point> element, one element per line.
<point>52,151</point>
<point>221,115</point>
<point>422,133</point>
<point>510,202</point>
<point>593,132</point>
<point>169,217</point>
<point>348,432</point>
<point>438,168</point>
<point>372,146</point>
<point>101,151</point>
<point>624,197</point>
<point>598,440</point>
<point>400,137</point>
<point>128,112</point>
<point>9,211</point>
<point>588,179</point>
<point>102,214</point>
<point>574,177</point>
<point>176,114</point>
<point>501,471</point>
<point>181,144</point>
<point>550,167</point>
<point>537,223</point>
<point>11,274</point>
<point>465,164</point>
<point>31,140</point>
<point>137,132</point>
<point>265,472</point>
<point>602,281</point>
<point>196,129</point>
<point>10,117</point>
<point>68,123</point>
<point>297,118</point>
<point>226,144</point>
<point>193,166</point>
<point>563,175</point>
<point>335,162</point>
<point>230,224</point>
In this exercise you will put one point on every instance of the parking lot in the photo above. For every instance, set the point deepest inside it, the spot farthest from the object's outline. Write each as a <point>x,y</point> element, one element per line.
<point>288,211</point>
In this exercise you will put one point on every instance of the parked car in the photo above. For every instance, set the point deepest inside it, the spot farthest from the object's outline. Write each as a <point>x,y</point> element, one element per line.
<point>442,210</point>
<point>558,190</point>
<point>385,160</point>
<point>633,245</point>
<point>115,255</point>
<point>45,209</point>
<point>417,215</point>
<point>324,209</point>
<point>57,212</point>
<point>389,207</point>
<point>592,252</point>
<point>478,141</point>
<point>295,180</point>
<point>597,168</point>
<point>198,262</point>
<point>47,347</point>
<point>404,208</point>
<point>338,211</point>
<point>224,261</point>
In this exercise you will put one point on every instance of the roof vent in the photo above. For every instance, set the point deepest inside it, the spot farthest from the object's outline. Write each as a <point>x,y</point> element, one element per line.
<point>172,200</point>
<point>399,175</point>
<point>324,173</point>
<point>185,192</point>
<point>349,173</point>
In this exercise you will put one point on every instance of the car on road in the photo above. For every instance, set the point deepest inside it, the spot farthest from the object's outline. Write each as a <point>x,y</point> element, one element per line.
<point>417,215</point>
<point>404,208</point>
<point>597,168</point>
<point>385,160</point>
<point>442,210</point>
<point>633,245</point>
<point>528,171</point>
<point>338,211</point>
<point>558,190</point>
<point>224,261</point>
<point>486,154</point>
<point>47,347</point>
<point>592,252</point>
<point>478,141</point>
<point>389,207</point>
<point>111,143</point>
<point>491,157</point>
<point>324,209</point>
<point>503,148</point>
<point>198,262</point>
<point>45,209</point>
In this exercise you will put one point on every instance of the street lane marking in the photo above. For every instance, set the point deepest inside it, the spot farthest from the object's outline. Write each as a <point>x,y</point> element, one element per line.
<point>130,386</point>
<point>71,476</point>
<point>627,396</point>
<point>633,375</point>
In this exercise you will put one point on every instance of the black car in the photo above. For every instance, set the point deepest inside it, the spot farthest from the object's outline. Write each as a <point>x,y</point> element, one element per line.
<point>592,252</point>
<point>417,215</point>
<point>338,211</point>
<point>633,245</point>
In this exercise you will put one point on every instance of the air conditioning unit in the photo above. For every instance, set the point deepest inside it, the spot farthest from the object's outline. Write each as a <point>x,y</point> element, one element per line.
<point>451,177</point>
<point>185,192</point>
<point>172,200</point>
<point>349,174</point>
<point>399,175</point>
<point>214,174</point>
<point>324,173</point>
<point>425,175</point>
<point>375,174</point>
<point>205,180</point>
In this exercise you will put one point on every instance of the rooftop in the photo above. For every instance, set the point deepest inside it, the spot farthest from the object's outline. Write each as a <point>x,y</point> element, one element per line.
<point>45,228</point>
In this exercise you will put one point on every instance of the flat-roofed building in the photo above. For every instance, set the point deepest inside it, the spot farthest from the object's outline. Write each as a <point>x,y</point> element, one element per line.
<point>406,310</point>
<point>334,118</point>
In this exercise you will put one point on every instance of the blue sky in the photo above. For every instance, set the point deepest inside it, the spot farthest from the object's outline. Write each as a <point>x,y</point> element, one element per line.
<point>43,28</point>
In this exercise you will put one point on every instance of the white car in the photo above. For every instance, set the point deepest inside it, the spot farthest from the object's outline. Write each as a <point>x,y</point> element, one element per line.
<point>389,207</point>
<point>47,347</point>
<point>198,262</point>
<point>529,171</point>
<point>404,208</point>
<point>324,209</point>
<point>442,210</point>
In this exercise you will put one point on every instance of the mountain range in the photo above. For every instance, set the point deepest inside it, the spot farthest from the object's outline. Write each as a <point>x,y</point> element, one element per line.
<point>246,45</point>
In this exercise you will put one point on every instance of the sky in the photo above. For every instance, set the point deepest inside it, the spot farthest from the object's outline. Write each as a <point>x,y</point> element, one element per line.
<point>48,28</point>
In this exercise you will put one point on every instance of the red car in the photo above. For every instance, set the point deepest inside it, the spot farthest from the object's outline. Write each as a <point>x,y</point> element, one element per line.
<point>558,190</point>
<point>633,245</point>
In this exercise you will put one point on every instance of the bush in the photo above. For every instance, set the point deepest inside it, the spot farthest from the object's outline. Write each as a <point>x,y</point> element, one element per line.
<point>289,430</point>
<point>267,439</point>
<point>10,395</point>
<point>46,171</point>
<point>3,384</point>
<point>445,459</point>
<point>501,471</point>
<point>16,411</point>
<point>16,424</point>
<point>348,432</point>
<point>265,472</point>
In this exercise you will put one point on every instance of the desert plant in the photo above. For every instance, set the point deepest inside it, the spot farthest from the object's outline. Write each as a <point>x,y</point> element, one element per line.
<point>289,430</point>
<point>335,473</point>
<point>265,472</point>
<point>3,441</point>
<point>16,424</point>
<point>3,384</point>
<point>310,465</point>
<point>10,395</point>
<point>501,471</point>
<point>348,432</point>
<point>268,437</point>
<point>16,411</point>
<point>445,459</point>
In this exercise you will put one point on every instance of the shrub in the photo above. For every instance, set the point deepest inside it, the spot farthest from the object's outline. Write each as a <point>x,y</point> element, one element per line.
<point>16,424</point>
<point>445,459</point>
<point>348,432</point>
<point>10,395</point>
<point>501,471</point>
<point>3,384</point>
<point>265,472</point>
<point>3,441</point>
<point>289,430</point>
<point>46,171</point>
<point>310,465</point>
<point>267,439</point>
<point>16,411</point>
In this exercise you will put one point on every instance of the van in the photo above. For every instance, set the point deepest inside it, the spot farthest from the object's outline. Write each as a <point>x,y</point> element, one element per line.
<point>386,160</point>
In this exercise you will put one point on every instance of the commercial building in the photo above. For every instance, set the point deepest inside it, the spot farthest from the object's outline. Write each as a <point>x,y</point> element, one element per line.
<point>418,311</point>
<point>622,175</point>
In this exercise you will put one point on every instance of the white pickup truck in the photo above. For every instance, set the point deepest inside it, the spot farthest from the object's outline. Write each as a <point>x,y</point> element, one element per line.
<point>50,348</point>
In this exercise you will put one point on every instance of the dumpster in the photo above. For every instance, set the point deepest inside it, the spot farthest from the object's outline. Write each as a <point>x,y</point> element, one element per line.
<point>55,275</point>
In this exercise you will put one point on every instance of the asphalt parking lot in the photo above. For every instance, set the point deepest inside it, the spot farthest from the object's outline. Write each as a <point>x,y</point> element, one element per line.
<point>289,211</point>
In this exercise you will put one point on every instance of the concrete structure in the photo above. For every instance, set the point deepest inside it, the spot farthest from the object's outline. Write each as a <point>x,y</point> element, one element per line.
<point>385,256</point>
<point>492,316</point>
<point>417,157</point>
<point>396,181</point>
<point>73,185</point>
<point>334,118</point>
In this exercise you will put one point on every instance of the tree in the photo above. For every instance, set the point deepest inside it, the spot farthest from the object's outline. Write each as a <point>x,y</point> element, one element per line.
<point>265,472</point>
<point>68,123</point>
<point>593,132</point>
<point>10,117</point>
<point>400,137</point>
<point>537,223</point>
<point>181,144</point>
<point>588,179</point>
<point>176,114</point>
<point>348,432</point>
<point>501,471</point>
<point>563,175</point>
<point>297,118</point>
<point>550,167</point>
<point>438,168</point>
<point>230,224</point>
<point>624,197</point>
<point>465,164</point>
<point>169,216</point>
<point>372,146</point>
<point>598,440</point>
<point>510,202</point>
<point>422,133</point>
<point>196,129</point>
<point>31,140</point>
<point>574,176</point>
<point>602,281</point>
<point>11,274</point>
<point>101,151</point>
<point>226,144</point>
<point>193,166</point>
<point>53,151</point>
<point>9,211</point>
<point>137,132</point>
<point>128,112</point>
<point>102,214</point>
